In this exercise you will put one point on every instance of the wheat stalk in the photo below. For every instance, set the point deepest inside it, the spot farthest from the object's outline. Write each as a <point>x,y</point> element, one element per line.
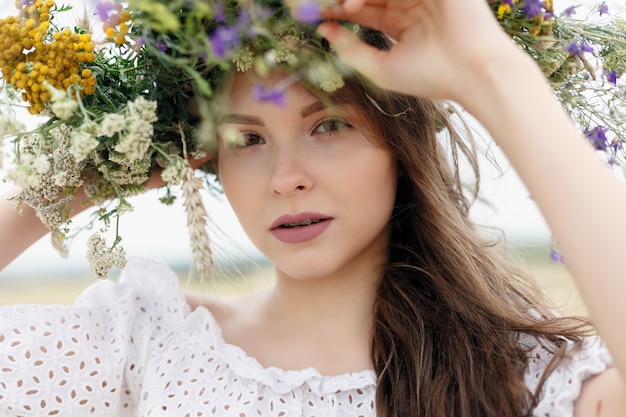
<point>196,217</point>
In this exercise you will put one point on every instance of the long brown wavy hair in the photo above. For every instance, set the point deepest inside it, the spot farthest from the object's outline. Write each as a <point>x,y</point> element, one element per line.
<point>451,306</point>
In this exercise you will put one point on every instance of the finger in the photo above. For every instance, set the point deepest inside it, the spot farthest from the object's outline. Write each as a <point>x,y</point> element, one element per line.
<point>352,6</point>
<point>376,17</point>
<point>350,49</point>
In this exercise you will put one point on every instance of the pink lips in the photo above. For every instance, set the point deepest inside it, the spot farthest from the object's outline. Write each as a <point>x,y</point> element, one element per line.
<point>299,228</point>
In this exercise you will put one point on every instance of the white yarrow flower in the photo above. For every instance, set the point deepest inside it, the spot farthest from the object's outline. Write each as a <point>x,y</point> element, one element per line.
<point>232,137</point>
<point>143,109</point>
<point>101,258</point>
<point>81,143</point>
<point>24,176</point>
<point>9,125</point>
<point>111,124</point>
<point>62,105</point>
<point>41,164</point>
<point>323,73</point>
<point>173,173</point>
<point>133,145</point>
<point>64,109</point>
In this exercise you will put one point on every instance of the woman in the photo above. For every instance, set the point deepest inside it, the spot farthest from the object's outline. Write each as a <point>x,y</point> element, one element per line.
<point>387,301</point>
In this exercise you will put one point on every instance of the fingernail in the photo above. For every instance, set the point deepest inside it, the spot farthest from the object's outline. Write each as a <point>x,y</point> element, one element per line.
<point>323,30</point>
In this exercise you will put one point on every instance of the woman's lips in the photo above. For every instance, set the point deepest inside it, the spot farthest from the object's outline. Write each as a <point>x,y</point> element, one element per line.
<point>299,228</point>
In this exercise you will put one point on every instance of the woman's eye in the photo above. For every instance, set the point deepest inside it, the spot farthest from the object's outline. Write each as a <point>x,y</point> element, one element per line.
<point>250,139</point>
<point>331,126</point>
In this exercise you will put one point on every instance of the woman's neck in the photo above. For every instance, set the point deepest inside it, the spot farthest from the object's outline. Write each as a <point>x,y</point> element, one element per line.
<point>323,323</point>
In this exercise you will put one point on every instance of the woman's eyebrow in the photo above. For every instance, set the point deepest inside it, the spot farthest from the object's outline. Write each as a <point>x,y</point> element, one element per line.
<point>245,119</point>
<point>323,105</point>
<point>312,109</point>
<point>242,119</point>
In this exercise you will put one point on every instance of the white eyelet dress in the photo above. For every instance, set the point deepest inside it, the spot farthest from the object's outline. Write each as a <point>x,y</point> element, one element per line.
<point>134,348</point>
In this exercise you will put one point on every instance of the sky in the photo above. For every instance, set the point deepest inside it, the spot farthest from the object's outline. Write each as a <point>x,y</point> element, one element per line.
<point>159,231</point>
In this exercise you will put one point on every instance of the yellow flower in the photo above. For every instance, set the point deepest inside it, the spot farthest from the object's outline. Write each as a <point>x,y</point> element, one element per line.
<point>57,60</point>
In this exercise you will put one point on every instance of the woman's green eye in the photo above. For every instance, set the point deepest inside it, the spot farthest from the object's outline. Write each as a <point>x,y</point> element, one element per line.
<point>331,126</point>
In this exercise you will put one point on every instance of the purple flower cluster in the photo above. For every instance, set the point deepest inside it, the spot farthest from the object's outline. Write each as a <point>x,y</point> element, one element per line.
<point>597,137</point>
<point>603,8</point>
<point>533,8</point>
<point>308,12</point>
<point>611,76</point>
<point>224,39</point>
<point>578,48</point>
<point>228,37</point>
<point>568,12</point>
<point>264,94</point>
<point>108,10</point>
<point>556,256</point>
<point>23,3</point>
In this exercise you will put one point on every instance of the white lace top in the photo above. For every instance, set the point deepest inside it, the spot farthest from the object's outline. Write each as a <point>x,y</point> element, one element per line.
<point>134,348</point>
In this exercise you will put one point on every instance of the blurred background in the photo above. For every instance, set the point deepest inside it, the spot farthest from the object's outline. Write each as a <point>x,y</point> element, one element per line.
<point>154,230</point>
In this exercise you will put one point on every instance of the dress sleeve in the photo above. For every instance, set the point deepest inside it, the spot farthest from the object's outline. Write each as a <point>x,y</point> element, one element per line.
<point>563,385</point>
<point>85,359</point>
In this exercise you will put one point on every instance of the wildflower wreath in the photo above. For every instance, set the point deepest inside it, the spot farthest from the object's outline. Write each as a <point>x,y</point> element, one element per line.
<point>116,110</point>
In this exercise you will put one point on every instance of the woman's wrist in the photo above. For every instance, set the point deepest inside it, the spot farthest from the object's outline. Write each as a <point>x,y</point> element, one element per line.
<point>509,85</point>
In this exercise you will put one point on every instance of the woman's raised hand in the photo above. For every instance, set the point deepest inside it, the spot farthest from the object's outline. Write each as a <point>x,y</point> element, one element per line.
<point>441,45</point>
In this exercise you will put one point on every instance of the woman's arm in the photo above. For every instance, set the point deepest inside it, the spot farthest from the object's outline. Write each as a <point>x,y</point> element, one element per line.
<point>456,50</point>
<point>19,229</point>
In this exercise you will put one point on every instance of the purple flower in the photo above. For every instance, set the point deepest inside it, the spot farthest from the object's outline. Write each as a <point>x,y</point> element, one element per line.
<point>555,256</point>
<point>139,43</point>
<point>162,45</point>
<point>616,144</point>
<point>308,12</point>
<point>263,94</point>
<point>533,8</point>
<point>597,137</point>
<point>611,76</point>
<point>579,48</point>
<point>23,3</point>
<point>571,10</point>
<point>105,8</point>
<point>603,8</point>
<point>218,14</point>
<point>223,40</point>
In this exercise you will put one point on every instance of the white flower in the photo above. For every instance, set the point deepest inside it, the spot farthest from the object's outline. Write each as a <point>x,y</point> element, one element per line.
<point>244,59</point>
<point>133,145</point>
<point>102,259</point>
<point>64,109</point>
<point>143,109</point>
<point>23,176</point>
<point>82,142</point>
<point>173,173</point>
<point>41,164</point>
<point>137,140</point>
<point>324,74</point>
<point>9,125</point>
<point>232,137</point>
<point>124,207</point>
<point>111,124</point>
<point>62,105</point>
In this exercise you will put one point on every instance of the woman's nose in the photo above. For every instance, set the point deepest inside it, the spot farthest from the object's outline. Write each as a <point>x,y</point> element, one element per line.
<point>289,173</point>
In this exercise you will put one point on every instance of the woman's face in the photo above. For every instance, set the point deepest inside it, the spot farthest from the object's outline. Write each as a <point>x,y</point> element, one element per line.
<point>310,190</point>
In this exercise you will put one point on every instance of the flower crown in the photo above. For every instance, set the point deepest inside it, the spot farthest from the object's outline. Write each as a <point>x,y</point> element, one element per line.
<point>115,111</point>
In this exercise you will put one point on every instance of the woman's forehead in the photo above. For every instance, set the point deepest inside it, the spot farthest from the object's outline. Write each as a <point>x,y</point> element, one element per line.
<point>276,89</point>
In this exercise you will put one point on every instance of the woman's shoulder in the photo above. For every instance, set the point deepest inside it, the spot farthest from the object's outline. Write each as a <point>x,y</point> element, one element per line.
<point>145,285</point>
<point>562,384</point>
